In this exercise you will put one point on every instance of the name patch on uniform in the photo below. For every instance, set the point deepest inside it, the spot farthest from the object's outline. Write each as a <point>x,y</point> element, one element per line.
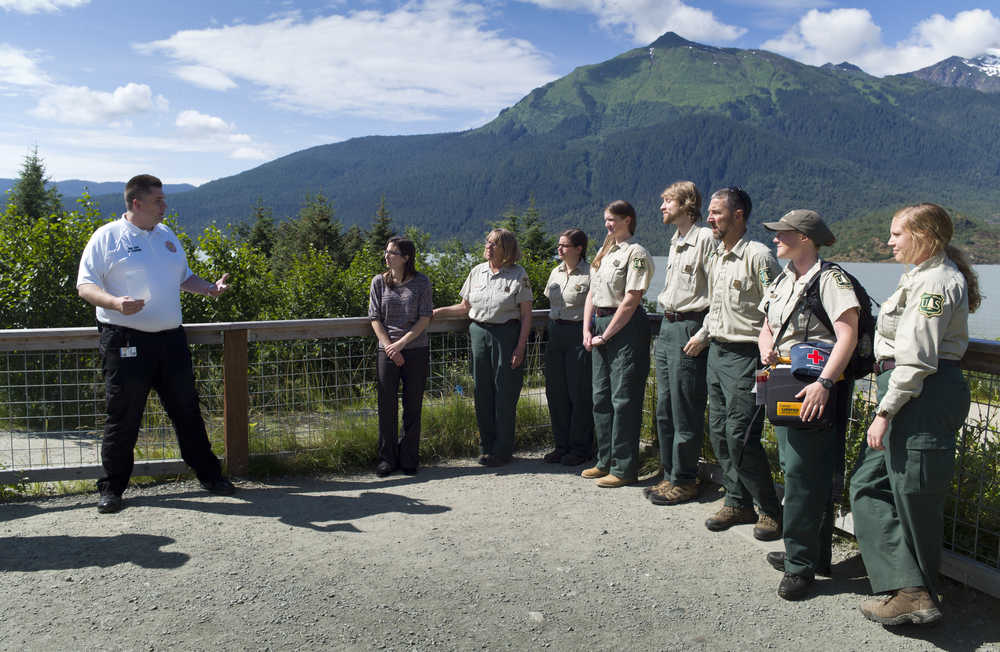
<point>133,249</point>
<point>639,263</point>
<point>170,247</point>
<point>127,352</point>
<point>931,305</point>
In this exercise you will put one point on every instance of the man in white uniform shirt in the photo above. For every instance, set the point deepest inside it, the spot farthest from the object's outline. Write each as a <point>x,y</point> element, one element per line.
<point>132,270</point>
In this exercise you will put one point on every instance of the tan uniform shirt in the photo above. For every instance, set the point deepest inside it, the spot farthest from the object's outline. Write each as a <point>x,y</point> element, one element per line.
<point>925,319</point>
<point>686,286</point>
<point>835,291</point>
<point>626,267</point>
<point>737,280</point>
<point>567,291</point>
<point>495,298</point>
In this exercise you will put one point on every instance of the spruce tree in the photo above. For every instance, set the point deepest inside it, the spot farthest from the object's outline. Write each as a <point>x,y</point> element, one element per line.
<point>29,196</point>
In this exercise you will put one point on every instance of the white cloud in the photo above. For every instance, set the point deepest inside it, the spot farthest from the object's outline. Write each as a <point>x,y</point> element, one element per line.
<point>213,129</point>
<point>201,124</point>
<point>852,35</point>
<point>422,60</point>
<point>82,105</point>
<point>205,77</point>
<point>38,6</point>
<point>645,20</point>
<point>17,68</point>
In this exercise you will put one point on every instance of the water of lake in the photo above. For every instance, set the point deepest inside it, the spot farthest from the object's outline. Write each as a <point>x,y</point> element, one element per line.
<point>880,279</point>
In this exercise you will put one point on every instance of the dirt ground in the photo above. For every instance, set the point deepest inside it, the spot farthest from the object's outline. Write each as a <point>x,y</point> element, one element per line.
<point>459,557</point>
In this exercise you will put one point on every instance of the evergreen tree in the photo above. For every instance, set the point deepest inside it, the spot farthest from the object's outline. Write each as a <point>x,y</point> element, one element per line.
<point>381,230</point>
<point>263,232</point>
<point>352,244</point>
<point>533,239</point>
<point>29,196</point>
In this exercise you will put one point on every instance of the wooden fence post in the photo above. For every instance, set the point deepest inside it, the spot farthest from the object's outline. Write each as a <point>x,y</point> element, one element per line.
<point>236,401</point>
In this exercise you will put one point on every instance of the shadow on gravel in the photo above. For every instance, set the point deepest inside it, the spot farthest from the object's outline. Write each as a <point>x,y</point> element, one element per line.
<point>12,511</point>
<point>313,505</point>
<point>29,554</point>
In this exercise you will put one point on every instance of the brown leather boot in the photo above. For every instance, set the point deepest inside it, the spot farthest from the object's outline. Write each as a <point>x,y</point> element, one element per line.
<point>909,605</point>
<point>661,487</point>
<point>768,528</point>
<point>729,516</point>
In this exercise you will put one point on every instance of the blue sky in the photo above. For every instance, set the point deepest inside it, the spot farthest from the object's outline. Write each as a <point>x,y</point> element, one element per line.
<point>193,91</point>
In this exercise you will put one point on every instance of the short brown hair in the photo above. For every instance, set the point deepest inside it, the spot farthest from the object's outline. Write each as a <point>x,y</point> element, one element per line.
<point>687,195</point>
<point>140,186</point>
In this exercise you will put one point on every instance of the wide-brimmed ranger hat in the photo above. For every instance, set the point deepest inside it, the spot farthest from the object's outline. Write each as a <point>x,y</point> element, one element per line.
<point>806,222</point>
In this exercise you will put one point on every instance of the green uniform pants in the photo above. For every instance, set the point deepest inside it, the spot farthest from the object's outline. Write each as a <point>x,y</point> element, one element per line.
<point>568,389</point>
<point>810,459</point>
<point>898,494</point>
<point>497,385</point>
<point>621,367</point>
<point>681,393</point>
<point>732,408</point>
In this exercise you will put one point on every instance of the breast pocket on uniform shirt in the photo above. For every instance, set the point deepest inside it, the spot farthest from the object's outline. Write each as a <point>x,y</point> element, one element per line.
<point>889,314</point>
<point>741,293</point>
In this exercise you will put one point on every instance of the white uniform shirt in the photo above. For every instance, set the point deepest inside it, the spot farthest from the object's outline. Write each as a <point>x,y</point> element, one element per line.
<point>926,319</point>
<point>124,260</point>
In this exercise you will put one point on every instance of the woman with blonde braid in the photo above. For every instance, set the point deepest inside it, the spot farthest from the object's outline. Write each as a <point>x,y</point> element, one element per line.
<point>616,331</point>
<point>904,469</point>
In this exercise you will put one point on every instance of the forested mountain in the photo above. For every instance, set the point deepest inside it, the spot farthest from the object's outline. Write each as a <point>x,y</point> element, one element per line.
<point>70,189</point>
<point>831,138</point>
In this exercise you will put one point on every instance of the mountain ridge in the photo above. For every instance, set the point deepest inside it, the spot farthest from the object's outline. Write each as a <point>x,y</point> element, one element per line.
<point>832,138</point>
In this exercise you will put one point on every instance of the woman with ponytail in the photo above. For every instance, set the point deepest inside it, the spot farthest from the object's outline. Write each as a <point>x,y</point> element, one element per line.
<point>616,331</point>
<point>905,467</point>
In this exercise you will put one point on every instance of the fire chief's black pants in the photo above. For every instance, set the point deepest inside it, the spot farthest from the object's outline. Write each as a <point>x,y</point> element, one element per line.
<point>135,362</point>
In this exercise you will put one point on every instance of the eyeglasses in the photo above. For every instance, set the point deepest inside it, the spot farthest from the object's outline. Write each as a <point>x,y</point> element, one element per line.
<point>563,246</point>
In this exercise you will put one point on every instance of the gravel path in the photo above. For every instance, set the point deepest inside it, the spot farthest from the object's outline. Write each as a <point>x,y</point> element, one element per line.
<point>457,558</point>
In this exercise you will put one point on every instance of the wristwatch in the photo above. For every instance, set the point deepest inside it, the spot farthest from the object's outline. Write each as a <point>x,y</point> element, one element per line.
<point>825,382</point>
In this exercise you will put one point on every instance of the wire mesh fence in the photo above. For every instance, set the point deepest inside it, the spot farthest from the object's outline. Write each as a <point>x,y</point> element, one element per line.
<point>314,392</point>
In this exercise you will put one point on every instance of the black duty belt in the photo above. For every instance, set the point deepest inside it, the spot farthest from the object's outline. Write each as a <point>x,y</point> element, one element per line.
<point>888,364</point>
<point>605,312</point>
<point>567,322</point>
<point>698,316</point>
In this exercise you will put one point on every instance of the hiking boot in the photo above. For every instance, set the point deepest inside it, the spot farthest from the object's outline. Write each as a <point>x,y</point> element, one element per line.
<point>593,473</point>
<point>553,457</point>
<point>729,516</point>
<point>777,561</point>
<point>910,605</point>
<point>660,487</point>
<point>768,528</point>
<point>794,587</point>
<point>613,482</point>
<point>678,493</point>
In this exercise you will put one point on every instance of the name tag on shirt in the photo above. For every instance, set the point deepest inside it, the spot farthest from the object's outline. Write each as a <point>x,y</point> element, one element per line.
<point>127,352</point>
